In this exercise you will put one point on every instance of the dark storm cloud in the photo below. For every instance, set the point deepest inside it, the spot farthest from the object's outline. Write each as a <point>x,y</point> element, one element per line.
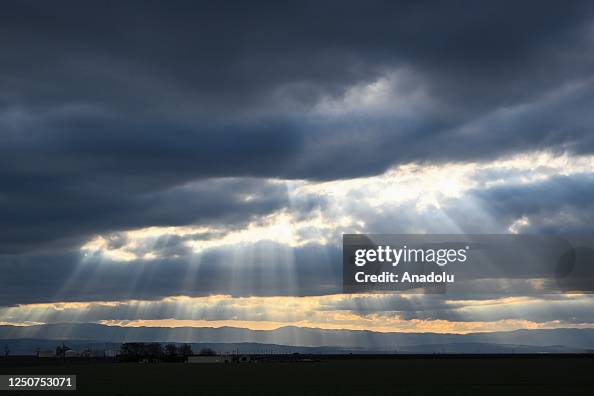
<point>261,269</point>
<point>227,56</point>
<point>42,215</point>
<point>558,205</point>
<point>224,89</point>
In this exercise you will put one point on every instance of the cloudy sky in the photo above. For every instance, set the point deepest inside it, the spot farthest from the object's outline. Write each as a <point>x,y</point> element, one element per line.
<point>195,163</point>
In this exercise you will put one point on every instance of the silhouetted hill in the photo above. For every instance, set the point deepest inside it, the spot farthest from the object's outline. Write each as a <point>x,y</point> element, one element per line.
<point>567,339</point>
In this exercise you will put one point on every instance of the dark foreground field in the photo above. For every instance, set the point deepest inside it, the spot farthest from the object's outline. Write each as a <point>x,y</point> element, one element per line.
<point>536,375</point>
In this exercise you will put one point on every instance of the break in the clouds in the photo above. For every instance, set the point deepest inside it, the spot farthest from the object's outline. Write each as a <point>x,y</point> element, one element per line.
<point>150,150</point>
<point>293,249</point>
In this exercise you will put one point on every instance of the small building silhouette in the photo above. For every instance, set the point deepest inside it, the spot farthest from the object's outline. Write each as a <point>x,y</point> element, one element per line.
<point>207,359</point>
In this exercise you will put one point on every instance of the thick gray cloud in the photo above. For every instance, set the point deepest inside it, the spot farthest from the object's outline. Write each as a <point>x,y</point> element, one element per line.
<point>261,269</point>
<point>558,205</point>
<point>45,215</point>
<point>226,57</point>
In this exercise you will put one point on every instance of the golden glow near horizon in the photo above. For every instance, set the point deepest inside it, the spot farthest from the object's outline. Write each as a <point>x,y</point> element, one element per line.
<point>324,312</point>
<point>409,326</point>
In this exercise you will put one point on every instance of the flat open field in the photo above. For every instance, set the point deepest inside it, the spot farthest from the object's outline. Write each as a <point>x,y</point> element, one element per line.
<point>538,375</point>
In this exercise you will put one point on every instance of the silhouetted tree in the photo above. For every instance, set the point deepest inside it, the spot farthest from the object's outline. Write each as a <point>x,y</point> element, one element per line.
<point>154,350</point>
<point>185,350</point>
<point>207,352</point>
<point>171,350</point>
<point>141,350</point>
<point>61,350</point>
<point>132,349</point>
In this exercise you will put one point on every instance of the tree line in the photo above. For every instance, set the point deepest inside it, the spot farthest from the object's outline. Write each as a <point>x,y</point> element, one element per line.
<point>134,351</point>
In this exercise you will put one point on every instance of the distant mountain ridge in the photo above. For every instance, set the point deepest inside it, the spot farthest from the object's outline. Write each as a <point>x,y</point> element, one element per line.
<point>565,338</point>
